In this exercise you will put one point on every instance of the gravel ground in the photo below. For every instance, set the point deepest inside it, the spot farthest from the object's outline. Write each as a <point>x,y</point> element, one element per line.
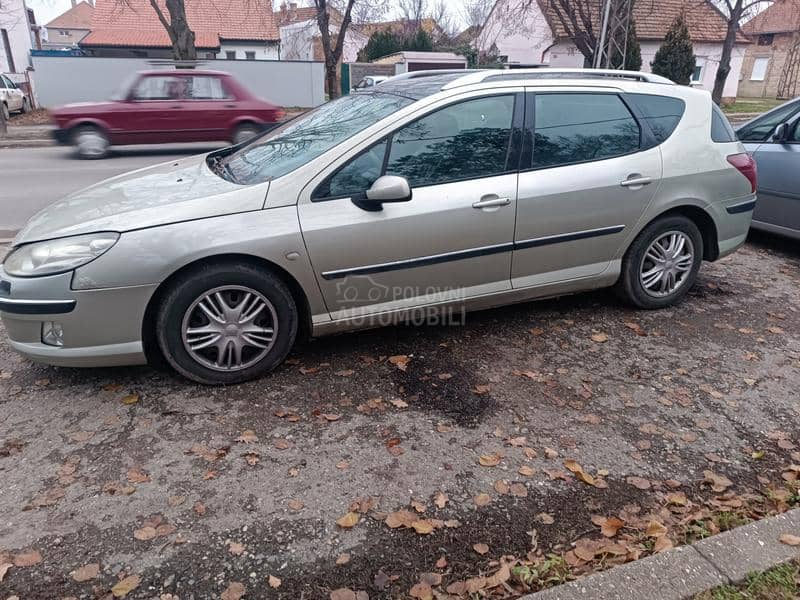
<point>190,488</point>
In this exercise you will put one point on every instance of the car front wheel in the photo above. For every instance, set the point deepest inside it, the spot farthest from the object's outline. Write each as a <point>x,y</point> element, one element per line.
<point>91,142</point>
<point>244,132</point>
<point>226,323</point>
<point>662,263</point>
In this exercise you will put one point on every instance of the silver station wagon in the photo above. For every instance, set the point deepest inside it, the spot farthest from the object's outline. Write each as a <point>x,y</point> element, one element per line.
<point>426,193</point>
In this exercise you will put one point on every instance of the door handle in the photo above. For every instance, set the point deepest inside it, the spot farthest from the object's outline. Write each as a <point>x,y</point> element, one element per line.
<point>489,203</point>
<point>230,106</point>
<point>634,181</point>
<point>176,106</point>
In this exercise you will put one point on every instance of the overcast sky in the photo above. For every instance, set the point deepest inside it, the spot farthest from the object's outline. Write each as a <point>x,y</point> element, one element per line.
<point>47,10</point>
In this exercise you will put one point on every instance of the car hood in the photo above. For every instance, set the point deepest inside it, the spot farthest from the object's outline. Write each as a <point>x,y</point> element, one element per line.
<point>167,193</point>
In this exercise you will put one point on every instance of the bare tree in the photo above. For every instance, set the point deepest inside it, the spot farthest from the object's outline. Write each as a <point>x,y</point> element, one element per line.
<point>475,12</point>
<point>176,25</point>
<point>333,41</point>
<point>580,20</point>
<point>736,12</point>
<point>441,12</point>
<point>413,10</point>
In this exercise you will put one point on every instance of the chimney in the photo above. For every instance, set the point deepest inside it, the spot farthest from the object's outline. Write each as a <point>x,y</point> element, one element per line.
<point>74,3</point>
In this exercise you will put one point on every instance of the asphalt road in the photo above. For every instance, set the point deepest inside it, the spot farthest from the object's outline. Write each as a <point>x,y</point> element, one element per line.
<point>33,178</point>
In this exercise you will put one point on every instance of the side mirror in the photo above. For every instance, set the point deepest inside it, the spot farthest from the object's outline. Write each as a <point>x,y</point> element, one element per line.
<point>781,133</point>
<point>389,188</point>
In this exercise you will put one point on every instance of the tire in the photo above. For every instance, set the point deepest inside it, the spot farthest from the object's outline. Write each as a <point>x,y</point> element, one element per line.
<point>645,283</point>
<point>180,312</point>
<point>91,142</point>
<point>6,113</point>
<point>244,132</point>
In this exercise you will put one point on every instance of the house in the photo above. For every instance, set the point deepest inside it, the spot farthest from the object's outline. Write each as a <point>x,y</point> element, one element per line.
<point>300,37</point>
<point>19,34</point>
<point>771,66</point>
<point>232,29</point>
<point>530,32</point>
<point>66,30</point>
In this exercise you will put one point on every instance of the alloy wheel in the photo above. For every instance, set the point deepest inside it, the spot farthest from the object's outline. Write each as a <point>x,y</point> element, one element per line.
<point>91,142</point>
<point>229,328</point>
<point>667,264</point>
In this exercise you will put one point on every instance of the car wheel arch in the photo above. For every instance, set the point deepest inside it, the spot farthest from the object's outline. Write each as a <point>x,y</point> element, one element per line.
<point>701,218</point>
<point>149,341</point>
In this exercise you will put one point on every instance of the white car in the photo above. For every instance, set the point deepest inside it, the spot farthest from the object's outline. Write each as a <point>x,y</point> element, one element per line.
<point>13,98</point>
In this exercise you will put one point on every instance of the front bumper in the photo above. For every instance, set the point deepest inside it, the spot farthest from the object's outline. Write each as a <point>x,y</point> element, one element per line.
<point>100,327</point>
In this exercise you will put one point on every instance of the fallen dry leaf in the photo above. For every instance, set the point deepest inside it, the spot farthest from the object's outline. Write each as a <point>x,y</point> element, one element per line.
<point>789,539</point>
<point>236,548</point>
<point>399,403</point>
<point>282,444</point>
<point>274,582</point>
<point>86,572</point>
<point>422,527</point>
<point>27,558</point>
<point>125,586</point>
<point>130,399</point>
<point>145,533</point>
<point>343,594</point>
<point>501,487</point>
<point>656,529</point>
<point>550,453</point>
<point>4,569</point>
<point>545,518</point>
<point>635,327</point>
<point>400,361</point>
<point>526,471</point>
<point>611,526</point>
<point>482,499</point>
<point>490,460</point>
<point>480,548</point>
<point>518,490</point>
<point>662,543</point>
<point>719,483</point>
<point>137,475</point>
<point>440,499</point>
<point>248,437</point>
<point>480,390</point>
<point>349,520</point>
<point>234,591</point>
<point>81,436</point>
<point>343,559</point>
<point>116,488</point>
<point>638,482</point>
<point>600,337</point>
<point>296,504</point>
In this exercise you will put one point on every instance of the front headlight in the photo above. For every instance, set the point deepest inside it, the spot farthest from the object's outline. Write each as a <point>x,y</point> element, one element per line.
<point>58,256</point>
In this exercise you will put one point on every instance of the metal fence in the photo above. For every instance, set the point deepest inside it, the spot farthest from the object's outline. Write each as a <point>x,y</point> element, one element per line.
<point>63,79</point>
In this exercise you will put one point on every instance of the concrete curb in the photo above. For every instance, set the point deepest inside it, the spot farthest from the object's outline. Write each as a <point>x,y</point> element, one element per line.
<point>22,143</point>
<point>689,570</point>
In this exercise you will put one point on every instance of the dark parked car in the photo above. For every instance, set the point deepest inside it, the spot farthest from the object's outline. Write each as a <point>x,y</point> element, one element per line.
<point>166,106</point>
<point>773,139</point>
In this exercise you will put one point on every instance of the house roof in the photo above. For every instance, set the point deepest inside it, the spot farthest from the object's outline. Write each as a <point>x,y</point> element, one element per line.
<point>782,16</point>
<point>77,17</point>
<point>654,17</point>
<point>299,14</point>
<point>134,23</point>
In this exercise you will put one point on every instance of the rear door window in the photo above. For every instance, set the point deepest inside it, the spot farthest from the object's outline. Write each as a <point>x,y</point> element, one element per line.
<point>661,113</point>
<point>581,127</point>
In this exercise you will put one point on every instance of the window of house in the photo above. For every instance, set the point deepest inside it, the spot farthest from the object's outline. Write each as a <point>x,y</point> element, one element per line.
<point>697,74</point>
<point>662,113</point>
<point>766,39</point>
<point>250,55</point>
<point>759,69</point>
<point>63,32</point>
<point>574,128</point>
<point>461,141</point>
<point>230,54</point>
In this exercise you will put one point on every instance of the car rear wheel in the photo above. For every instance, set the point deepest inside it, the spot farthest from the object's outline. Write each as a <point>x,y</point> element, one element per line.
<point>661,265</point>
<point>226,323</point>
<point>244,132</point>
<point>90,142</point>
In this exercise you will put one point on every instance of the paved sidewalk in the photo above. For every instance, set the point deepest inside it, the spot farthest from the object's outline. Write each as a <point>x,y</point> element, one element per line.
<point>689,570</point>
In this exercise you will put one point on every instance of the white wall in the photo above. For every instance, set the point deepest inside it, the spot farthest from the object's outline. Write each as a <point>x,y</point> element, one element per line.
<point>519,31</point>
<point>297,41</point>
<point>565,55</point>
<point>707,56</point>
<point>264,50</point>
<point>14,19</point>
<point>281,82</point>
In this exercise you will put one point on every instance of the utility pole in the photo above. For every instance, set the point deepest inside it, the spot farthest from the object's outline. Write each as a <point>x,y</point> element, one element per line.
<point>613,46</point>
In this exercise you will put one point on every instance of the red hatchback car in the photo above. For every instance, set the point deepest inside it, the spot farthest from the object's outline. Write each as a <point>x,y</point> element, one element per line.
<point>166,106</point>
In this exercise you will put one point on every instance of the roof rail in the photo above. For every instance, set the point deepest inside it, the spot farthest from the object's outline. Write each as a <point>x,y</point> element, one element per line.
<point>430,73</point>
<point>551,73</point>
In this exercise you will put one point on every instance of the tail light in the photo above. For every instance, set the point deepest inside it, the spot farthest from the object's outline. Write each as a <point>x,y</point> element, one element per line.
<point>278,115</point>
<point>745,164</point>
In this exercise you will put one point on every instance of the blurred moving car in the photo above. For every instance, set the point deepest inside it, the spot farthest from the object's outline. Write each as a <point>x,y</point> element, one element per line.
<point>369,81</point>
<point>13,99</point>
<point>166,106</point>
<point>773,139</point>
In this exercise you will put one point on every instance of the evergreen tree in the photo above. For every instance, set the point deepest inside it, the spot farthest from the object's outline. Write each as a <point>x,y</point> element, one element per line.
<point>380,43</point>
<point>675,58</point>
<point>633,54</point>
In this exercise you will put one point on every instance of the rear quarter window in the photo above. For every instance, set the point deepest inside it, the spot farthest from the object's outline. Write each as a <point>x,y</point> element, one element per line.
<point>721,130</point>
<point>662,113</point>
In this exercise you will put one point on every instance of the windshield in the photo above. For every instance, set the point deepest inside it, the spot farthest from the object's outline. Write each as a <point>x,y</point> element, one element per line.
<point>303,139</point>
